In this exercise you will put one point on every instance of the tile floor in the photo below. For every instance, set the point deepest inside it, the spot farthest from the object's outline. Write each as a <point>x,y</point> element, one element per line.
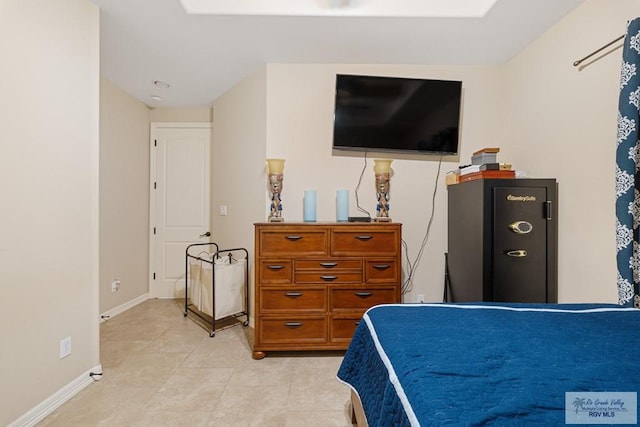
<point>161,369</point>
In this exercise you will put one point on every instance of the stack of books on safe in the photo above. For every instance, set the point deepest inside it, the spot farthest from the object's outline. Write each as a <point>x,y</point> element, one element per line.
<point>484,165</point>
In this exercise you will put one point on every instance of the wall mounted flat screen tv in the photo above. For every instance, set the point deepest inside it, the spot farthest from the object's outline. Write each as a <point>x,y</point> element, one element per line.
<point>397,114</point>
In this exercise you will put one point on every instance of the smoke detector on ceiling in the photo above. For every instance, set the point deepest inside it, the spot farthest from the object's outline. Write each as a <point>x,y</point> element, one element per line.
<point>161,84</point>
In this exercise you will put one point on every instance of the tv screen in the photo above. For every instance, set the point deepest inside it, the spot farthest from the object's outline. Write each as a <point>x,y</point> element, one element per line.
<point>396,114</point>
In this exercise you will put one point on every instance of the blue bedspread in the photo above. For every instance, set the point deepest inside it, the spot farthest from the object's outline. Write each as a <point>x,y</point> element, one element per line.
<point>488,364</point>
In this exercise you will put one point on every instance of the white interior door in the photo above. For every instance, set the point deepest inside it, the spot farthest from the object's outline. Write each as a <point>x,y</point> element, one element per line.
<point>180,195</point>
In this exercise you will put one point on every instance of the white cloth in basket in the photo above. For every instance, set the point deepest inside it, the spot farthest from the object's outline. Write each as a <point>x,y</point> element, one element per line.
<point>229,286</point>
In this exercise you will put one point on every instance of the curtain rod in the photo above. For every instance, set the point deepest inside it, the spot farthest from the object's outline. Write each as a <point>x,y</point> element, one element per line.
<point>579,61</point>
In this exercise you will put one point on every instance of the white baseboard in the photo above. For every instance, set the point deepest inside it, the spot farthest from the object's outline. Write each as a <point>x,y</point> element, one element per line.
<point>53,402</point>
<point>123,307</point>
<point>47,406</point>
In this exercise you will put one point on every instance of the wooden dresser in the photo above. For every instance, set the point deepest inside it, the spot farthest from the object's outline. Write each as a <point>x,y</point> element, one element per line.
<point>313,281</point>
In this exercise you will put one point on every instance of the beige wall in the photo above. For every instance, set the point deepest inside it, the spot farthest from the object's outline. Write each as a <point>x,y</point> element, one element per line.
<point>294,121</point>
<point>562,123</point>
<point>299,129</point>
<point>238,161</point>
<point>124,193</point>
<point>49,181</point>
<point>238,166</point>
<point>124,197</point>
<point>550,119</point>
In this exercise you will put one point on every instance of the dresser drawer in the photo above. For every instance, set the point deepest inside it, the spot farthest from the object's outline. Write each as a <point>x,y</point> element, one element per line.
<point>273,271</point>
<point>329,264</point>
<point>381,270</point>
<point>293,242</point>
<point>342,328</point>
<point>363,242</point>
<point>337,276</point>
<point>361,298</point>
<point>293,330</point>
<point>289,300</point>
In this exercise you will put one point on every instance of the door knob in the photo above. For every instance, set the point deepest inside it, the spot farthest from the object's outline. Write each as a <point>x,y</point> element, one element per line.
<point>207,234</point>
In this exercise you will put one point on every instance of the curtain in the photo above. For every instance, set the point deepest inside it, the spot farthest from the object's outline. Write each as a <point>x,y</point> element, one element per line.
<point>628,170</point>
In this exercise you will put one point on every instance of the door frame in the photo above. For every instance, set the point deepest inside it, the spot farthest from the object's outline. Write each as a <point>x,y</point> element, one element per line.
<point>155,126</point>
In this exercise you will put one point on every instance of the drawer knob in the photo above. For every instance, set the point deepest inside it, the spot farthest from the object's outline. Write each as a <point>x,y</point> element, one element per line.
<point>328,278</point>
<point>293,237</point>
<point>328,264</point>
<point>292,325</point>
<point>275,267</point>
<point>364,237</point>
<point>293,294</point>
<point>381,266</point>
<point>364,294</point>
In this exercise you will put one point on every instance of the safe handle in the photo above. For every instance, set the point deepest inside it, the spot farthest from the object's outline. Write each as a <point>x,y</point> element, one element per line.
<point>517,253</point>
<point>548,210</point>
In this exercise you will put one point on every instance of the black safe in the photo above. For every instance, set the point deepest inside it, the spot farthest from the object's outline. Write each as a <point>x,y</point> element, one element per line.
<point>502,241</point>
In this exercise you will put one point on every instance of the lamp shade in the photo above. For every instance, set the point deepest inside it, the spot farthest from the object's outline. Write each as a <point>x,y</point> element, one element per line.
<point>275,165</point>
<point>382,165</point>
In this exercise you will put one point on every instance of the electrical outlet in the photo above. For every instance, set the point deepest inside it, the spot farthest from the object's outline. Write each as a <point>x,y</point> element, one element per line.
<point>115,286</point>
<point>65,347</point>
<point>420,298</point>
<point>223,210</point>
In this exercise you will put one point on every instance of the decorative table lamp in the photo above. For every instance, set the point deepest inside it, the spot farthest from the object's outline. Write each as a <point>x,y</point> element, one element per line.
<point>275,168</point>
<point>382,170</point>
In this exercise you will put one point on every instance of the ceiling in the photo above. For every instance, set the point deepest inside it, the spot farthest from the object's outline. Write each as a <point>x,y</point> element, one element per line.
<point>204,53</point>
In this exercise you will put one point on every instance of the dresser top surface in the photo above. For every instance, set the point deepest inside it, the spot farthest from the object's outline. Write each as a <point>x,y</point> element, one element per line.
<point>328,223</point>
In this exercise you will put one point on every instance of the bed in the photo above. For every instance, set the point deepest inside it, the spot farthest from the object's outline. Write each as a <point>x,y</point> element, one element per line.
<point>494,364</point>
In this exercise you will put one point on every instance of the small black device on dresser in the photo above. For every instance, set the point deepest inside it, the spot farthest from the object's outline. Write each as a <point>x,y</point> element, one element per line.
<point>502,241</point>
<point>359,219</point>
